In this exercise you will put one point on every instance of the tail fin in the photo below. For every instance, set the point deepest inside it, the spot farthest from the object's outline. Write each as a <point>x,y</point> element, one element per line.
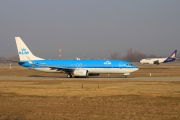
<point>173,55</point>
<point>23,51</point>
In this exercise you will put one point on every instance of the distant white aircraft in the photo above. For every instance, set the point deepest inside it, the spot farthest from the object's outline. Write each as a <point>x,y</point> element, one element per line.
<point>157,61</point>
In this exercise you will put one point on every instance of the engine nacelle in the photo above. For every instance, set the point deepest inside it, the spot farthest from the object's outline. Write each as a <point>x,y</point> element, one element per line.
<point>81,72</point>
<point>156,62</point>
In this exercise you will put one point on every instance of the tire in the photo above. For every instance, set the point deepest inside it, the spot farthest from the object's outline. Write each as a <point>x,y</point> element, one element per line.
<point>69,76</point>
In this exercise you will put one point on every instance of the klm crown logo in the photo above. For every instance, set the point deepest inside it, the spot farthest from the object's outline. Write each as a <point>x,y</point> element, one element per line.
<point>23,52</point>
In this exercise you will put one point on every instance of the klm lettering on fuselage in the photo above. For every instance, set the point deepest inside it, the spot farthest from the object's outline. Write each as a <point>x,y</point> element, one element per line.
<point>107,63</point>
<point>23,52</point>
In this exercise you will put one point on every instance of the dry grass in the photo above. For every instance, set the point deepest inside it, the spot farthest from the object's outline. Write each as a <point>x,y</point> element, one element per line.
<point>102,99</point>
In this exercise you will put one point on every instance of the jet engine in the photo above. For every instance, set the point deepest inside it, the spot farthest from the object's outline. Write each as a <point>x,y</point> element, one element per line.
<point>156,62</point>
<point>80,72</point>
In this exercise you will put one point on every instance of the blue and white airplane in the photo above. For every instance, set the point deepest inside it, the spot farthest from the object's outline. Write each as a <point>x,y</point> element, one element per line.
<point>76,68</point>
<point>157,61</point>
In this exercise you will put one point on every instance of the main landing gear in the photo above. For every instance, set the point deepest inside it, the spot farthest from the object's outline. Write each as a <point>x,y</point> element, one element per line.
<point>69,76</point>
<point>125,76</point>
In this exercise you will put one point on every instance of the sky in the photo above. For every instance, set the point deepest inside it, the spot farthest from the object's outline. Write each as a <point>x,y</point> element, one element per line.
<point>90,28</point>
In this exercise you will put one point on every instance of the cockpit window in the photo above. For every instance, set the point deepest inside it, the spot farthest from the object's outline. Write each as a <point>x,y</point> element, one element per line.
<point>129,64</point>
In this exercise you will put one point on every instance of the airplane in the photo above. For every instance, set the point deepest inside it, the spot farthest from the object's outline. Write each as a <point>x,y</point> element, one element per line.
<point>76,68</point>
<point>157,61</point>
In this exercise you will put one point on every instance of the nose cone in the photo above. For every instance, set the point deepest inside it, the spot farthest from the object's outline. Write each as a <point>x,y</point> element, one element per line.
<point>135,69</point>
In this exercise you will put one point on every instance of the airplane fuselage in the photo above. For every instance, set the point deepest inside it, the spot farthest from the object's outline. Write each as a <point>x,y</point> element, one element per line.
<point>93,66</point>
<point>157,61</point>
<point>152,60</point>
<point>77,68</point>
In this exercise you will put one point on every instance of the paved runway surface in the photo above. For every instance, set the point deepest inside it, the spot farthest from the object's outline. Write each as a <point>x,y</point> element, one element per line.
<point>91,79</point>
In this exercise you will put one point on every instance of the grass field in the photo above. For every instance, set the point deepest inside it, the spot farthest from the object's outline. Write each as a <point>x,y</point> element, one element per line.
<point>90,98</point>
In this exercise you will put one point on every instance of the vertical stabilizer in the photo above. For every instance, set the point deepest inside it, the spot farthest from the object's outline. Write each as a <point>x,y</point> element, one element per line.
<point>173,55</point>
<point>23,51</point>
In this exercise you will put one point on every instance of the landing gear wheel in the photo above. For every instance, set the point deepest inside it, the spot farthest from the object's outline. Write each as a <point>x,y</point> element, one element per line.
<point>69,76</point>
<point>124,76</point>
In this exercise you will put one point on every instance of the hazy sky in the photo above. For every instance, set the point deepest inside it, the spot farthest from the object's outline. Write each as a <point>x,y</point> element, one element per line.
<point>90,28</point>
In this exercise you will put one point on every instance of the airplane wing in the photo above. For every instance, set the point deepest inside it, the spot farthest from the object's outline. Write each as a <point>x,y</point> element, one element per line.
<point>66,70</point>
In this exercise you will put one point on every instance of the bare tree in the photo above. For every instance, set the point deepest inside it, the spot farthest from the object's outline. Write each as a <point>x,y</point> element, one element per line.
<point>135,56</point>
<point>115,56</point>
